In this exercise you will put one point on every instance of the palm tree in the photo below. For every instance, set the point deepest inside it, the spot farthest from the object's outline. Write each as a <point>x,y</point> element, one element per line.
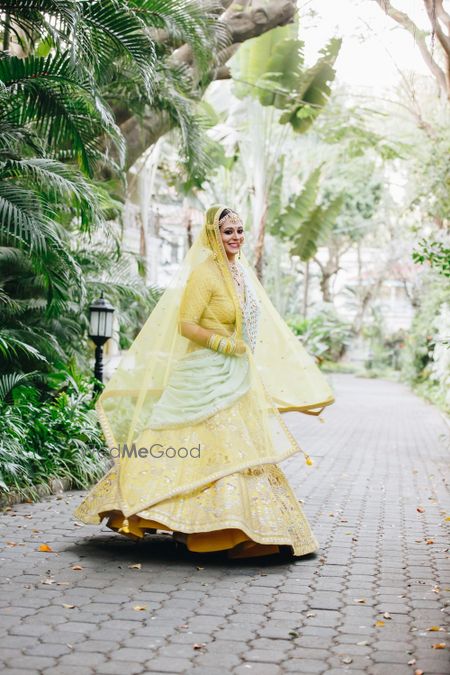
<point>62,65</point>
<point>106,56</point>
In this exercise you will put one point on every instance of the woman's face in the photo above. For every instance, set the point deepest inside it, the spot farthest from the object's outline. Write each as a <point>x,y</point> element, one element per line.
<point>232,236</point>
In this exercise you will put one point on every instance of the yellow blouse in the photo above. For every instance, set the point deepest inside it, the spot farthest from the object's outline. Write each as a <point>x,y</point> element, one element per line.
<point>206,303</point>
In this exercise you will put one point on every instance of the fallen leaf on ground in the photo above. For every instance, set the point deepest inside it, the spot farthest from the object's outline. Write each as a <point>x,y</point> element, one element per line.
<point>420,509</point>
<point>45,548</point>
<point>429,541</point>
<point>435,628</point>
<point>136,566</point>
<point>140,608</point>
<point>199,645</point>
<point>77,567</point>
<point>379,624</point>
<point>363,643</point>
<point>293,633</point>
<point>412,662</point>
<point>66,606</point>
<point>359,600</point>
<point>347,659</point>
<point>387,615</point>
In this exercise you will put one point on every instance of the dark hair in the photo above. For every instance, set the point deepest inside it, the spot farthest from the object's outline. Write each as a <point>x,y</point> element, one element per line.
<point>224,213</point>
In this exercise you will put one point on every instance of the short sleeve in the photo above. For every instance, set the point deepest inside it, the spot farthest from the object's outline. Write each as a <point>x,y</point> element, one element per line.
<point>196,296</point>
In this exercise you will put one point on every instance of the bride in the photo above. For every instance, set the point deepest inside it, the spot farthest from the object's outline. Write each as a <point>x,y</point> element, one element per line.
<point>193,414</point>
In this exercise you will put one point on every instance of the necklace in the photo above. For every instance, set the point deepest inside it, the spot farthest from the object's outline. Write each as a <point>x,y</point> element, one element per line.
<point>236,273</point>
<point>238,280</point>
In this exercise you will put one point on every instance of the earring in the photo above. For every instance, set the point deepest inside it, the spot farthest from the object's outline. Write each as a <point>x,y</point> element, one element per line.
<point>239,254</point>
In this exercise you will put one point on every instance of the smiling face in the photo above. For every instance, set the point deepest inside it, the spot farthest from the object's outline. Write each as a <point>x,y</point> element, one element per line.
<point>232,233</point>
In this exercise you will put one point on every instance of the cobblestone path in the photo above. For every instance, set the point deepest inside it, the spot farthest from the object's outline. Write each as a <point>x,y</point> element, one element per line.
<point>366,602</point>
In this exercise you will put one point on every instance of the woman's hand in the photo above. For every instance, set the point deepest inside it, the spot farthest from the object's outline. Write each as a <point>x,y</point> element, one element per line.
<point>208,338</point>
<point>227,345</point>
<point>241,347</point>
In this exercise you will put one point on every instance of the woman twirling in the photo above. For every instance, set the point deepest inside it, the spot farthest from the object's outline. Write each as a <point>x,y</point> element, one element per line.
<point>193,415</point>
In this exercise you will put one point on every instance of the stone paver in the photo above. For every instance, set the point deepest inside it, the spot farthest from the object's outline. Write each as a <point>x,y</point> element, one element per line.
<point>364,603</point>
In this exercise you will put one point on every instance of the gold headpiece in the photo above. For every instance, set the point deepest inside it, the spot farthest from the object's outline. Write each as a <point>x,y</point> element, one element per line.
<point>229,218</point>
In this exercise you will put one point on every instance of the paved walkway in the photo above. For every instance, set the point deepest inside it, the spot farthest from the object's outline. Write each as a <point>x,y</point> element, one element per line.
<point>377,498</point>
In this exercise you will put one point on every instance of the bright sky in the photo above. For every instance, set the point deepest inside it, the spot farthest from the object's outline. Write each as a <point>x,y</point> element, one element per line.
<point>374,46</point>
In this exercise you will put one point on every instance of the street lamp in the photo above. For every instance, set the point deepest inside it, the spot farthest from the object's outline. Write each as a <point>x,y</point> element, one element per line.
<point>100,330</point>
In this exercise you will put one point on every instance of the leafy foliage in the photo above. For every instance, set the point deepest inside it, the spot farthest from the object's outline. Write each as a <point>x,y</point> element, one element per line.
<point>272,68</point>
<point>325,335</point>
<point>42,438</point>
<point>435,253</point>
<point>304,223</point>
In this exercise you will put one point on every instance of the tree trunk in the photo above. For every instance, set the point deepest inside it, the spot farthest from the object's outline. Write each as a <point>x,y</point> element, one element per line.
<point>325,286</point>
<point>306,290</point>
<point>440,22</point>
<point>244,21</point>
<point>259,250</point>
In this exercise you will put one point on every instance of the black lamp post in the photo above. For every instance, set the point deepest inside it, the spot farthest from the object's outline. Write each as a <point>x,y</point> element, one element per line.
<point>100,330</point>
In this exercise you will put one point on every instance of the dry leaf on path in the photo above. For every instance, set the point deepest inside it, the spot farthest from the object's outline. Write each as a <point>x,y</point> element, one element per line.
<point>46,548</point>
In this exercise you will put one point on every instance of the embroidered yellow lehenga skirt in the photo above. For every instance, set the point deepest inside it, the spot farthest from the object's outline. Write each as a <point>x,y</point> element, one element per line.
<point>226,499</point>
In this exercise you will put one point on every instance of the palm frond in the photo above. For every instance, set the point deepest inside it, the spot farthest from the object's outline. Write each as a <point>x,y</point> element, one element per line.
<point>11,380</point>
<point>13,347</point>
<point>22,223</point>
<point>56,181</point>
<point>50,94</point>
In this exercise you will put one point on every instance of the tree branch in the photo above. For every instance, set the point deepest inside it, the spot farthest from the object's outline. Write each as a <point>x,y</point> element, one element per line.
<point>441,36</point>
<point>419,37</point>
<point>443,15</point>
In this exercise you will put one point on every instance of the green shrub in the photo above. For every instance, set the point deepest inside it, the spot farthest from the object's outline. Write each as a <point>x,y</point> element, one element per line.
<point>325,335</point>
<point>44,437</point>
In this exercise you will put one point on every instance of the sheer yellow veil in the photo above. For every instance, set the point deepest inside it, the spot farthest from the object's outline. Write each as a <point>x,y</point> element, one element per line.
<point>285,375</point>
